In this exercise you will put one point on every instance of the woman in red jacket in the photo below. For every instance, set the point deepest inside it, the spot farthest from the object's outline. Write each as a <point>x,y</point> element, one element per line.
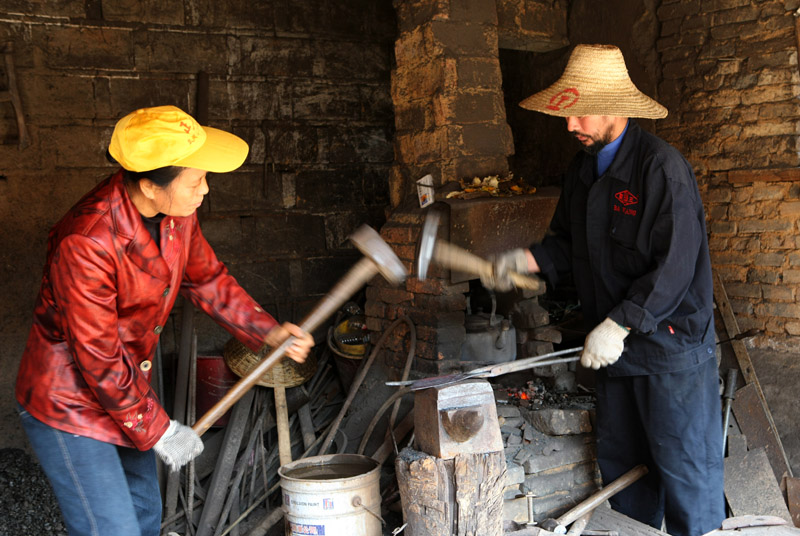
<point>115,266</point>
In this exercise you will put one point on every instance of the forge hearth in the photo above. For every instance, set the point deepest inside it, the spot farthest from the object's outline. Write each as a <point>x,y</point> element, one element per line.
<point>549,444</point>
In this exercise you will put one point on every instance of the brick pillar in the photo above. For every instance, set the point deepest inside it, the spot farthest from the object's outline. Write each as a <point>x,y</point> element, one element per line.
<point>448,95</point>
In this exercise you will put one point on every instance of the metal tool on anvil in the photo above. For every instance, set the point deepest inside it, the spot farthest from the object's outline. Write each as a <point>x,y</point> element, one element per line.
<point>378,258</point>
<point>490,371</point>
<point>458,259</point>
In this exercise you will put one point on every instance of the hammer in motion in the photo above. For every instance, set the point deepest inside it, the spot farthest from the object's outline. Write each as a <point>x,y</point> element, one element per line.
<point>458,259</point>
<point>378,258</point>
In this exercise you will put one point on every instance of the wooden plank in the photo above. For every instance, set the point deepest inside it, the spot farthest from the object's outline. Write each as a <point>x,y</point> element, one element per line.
<point>750,486</point>
<point>748,373</point>
<point>605,518</point>
<point>793,498</point>
<point>756,428</point>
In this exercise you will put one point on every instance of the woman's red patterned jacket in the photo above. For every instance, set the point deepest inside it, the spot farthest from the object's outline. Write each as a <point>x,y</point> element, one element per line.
<point>106,293</point>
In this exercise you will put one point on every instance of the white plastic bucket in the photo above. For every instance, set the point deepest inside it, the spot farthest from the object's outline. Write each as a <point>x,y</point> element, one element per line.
<point>332,495</point>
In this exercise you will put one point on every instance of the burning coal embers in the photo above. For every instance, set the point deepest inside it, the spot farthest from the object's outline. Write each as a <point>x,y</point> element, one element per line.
<point>536,395</point>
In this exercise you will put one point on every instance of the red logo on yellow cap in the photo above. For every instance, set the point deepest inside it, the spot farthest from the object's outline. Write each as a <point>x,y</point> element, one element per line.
<point>564,99</point>
<point>188,128</point>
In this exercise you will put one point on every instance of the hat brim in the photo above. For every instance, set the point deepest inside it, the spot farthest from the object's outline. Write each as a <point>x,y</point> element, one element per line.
<point>220,153</point>
<point>563,100</point>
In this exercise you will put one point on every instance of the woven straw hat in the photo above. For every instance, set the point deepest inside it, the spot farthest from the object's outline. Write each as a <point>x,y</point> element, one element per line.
<point>595,82</point>
<point>285,373</point>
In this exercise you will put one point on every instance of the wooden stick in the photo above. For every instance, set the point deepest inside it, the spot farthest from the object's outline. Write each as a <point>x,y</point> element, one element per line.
<point>461,260</point>
<point>362,272</point>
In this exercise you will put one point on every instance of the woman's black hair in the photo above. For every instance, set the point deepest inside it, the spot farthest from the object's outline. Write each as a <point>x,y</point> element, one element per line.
<point>161,177</point>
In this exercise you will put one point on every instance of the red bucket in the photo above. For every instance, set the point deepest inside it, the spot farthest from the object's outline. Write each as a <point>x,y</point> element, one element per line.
<point>214,380</point>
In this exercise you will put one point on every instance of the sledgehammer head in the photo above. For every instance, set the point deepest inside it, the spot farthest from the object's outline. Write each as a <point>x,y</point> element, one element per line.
<point>427,243</point>
<point>370,243</point>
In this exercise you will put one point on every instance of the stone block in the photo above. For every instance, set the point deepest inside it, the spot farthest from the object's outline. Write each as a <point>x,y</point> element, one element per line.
<point>71,47</point>
<point>534,26</point>
<point>511,492</point>
<point>576,449</point>
<point>515,474</point>
<point>528,314</point>
<point>561,478</point>
<point>508,411</point>
<point>547,334</point>
<point>560,421</point>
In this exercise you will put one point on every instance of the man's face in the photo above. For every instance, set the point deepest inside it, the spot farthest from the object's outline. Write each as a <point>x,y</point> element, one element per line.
<point>593,131</point>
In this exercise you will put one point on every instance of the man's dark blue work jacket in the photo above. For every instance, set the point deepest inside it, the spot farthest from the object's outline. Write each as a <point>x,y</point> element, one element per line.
<point>635,242</point>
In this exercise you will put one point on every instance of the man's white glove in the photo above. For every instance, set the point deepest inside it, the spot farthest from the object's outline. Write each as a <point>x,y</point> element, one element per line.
<point>603,345</point>
<point>178,446</point>
<point>513,260</point>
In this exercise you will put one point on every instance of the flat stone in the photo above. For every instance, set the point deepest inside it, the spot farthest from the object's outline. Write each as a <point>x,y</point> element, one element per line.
<point>515,474</point>
<point>506,411</point>
<point>566,453</point>
<point>559,422</point>
<point>562,478</point>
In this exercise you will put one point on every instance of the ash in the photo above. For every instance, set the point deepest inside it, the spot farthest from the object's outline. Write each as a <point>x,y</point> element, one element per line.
<point>27,504</point>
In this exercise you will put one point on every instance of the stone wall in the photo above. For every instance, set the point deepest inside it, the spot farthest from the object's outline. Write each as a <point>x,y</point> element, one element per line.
<point>730,81</point>
<point>311,97</point>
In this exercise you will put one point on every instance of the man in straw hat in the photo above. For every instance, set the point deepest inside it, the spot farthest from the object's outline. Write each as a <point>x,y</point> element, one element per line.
<point>630,230</point>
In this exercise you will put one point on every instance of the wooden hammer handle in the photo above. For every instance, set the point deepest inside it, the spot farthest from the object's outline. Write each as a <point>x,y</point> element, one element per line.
<point>358,275</point>
<point>593,501</point>
<point>456,258</point>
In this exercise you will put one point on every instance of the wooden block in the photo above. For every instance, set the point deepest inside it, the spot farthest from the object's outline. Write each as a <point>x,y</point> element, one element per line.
<point>793,498</point>
<point>750,486</point>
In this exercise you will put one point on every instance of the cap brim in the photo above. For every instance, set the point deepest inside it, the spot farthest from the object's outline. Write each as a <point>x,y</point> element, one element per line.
<point>222,152</point>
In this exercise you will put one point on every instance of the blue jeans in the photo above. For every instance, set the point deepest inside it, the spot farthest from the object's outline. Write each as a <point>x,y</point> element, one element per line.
<point>102,489</point>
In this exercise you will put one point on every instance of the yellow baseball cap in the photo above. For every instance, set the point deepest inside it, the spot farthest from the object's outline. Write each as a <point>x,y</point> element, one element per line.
<point>152,138</point>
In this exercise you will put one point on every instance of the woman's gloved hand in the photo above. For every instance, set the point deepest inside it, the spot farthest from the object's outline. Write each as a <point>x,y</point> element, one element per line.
<point>513,260</point>
<point>178,446</point>
<point>604,344</point>
<point>299,348</point>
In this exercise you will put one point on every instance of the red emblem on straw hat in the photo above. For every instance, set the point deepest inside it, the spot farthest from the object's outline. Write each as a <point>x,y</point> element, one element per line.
<point>564,99</point>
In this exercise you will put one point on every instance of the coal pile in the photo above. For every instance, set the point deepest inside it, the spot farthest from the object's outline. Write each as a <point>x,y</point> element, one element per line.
<point>27,504</point>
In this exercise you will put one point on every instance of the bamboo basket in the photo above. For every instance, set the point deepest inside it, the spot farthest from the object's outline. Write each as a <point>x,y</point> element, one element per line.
<point>285,373</point>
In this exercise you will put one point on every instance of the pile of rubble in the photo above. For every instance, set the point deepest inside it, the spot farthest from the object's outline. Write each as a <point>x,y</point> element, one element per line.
<point>549,447</point>
<point>27,503</point>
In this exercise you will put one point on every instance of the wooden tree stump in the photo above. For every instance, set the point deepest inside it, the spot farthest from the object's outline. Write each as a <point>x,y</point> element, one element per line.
<point>462,496</point>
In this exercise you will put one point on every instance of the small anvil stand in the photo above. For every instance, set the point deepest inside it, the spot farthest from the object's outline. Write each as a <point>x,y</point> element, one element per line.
<point>452,484</point>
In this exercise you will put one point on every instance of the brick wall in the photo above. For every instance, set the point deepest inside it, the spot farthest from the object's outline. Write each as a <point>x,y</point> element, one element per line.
<point>447,89</point>
<point>730,81</point>
<point>311,97</point>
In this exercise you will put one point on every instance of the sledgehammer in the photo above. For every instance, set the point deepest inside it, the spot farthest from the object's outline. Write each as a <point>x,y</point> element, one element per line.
<point>378,258</point>
<point>559,526</point>
<point>455,258</point>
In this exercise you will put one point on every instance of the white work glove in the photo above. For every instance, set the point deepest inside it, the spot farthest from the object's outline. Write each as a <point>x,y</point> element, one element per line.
<point>513,260</point>
<point>603,345</point>
<point>178,446</point>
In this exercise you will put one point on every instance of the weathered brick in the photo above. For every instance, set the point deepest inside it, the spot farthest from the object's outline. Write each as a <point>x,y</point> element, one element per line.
<point>769,259</point>
<point>780,293</point>
<point>762,226</point>
<point>742,290</point>
<point>785,310</point>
